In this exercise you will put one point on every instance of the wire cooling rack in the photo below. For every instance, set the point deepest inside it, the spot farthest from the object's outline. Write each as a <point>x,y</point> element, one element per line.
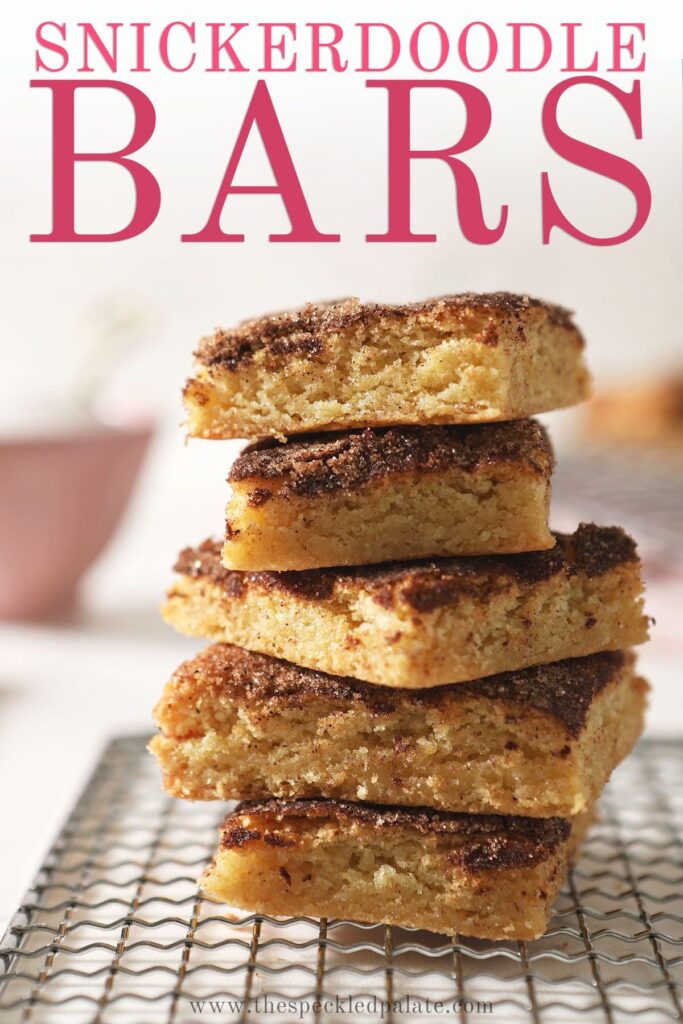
<point>115,928</point>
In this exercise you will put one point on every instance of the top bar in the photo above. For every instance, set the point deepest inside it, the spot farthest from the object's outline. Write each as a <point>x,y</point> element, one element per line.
<point>458,359</point>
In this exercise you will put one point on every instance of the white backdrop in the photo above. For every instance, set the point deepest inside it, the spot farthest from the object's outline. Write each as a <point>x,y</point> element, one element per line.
<point>627,297</point>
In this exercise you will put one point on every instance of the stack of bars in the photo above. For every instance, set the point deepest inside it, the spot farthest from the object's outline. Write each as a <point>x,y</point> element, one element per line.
<point>416,689</point>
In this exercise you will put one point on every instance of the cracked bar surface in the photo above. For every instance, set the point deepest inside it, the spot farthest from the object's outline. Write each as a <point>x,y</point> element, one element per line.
<point>380,495</point>
<point>420,624</point>
<point>487,876</point>
<point>540,742</point>
<point>457,359</point>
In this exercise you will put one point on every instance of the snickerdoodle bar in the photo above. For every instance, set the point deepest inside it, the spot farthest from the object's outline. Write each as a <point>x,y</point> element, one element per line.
<point>419,624</point>
<point>458,359</point>
<point>488,876</point>
<point>387,494</point>
<point>540,742</point>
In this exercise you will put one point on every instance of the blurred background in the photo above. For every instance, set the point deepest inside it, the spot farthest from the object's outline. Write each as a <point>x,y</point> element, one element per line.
<point>98,488</point>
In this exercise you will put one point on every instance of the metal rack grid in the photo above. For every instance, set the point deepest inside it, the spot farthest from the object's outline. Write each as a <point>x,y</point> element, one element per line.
<point>115,929</point>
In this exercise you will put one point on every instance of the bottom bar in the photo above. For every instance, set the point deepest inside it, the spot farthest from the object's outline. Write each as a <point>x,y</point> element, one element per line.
<point>487,876</point>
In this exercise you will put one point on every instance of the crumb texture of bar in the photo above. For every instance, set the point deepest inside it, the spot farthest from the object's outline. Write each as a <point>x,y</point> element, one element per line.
<point>372,496</point>
<point>420,624</point>
<point>457,359</point>
<point>486,876</point>
<point>540,742</point>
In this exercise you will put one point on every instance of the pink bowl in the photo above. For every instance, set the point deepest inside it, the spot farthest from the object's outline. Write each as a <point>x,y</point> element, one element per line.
<point>61,499</point>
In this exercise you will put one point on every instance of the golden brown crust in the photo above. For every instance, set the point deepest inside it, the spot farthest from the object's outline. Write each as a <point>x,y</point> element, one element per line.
<point>316,464</point>
<point>565,689</point>
<point>427,585</point>
<point>489,841</point>
<point>301,333</point>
